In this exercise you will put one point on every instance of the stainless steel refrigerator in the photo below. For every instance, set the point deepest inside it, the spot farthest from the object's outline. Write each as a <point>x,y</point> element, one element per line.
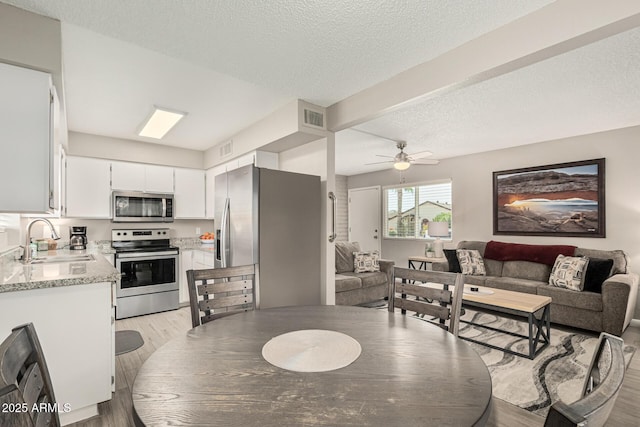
<point>271,218</point>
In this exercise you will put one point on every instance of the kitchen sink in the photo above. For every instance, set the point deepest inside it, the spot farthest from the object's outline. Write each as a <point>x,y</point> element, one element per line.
<point>63,258</point>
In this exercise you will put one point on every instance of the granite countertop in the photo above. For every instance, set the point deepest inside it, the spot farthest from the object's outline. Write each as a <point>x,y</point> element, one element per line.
<point>192,244</point>
<point>15,276</point>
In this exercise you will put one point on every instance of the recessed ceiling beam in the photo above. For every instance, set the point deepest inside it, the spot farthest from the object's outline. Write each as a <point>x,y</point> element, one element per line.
<point>555,29</point>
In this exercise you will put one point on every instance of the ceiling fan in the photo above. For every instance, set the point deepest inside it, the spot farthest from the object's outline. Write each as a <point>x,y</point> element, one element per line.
<point>402,161</point>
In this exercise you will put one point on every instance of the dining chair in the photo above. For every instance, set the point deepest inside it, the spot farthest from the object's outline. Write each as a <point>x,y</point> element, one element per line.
<point>25,381</point>
<point>219,292</point>
<point>433,299</point>
<point>602,384</point>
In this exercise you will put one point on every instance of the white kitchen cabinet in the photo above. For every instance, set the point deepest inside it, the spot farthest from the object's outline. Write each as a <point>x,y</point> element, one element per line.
<point>88,189</point>
<point>203,259</point>
<point>74,327</point>
<point>127,176</point>
<point>27,141</point>
<point>158,179</point>
<point>189,194</point>
<point>186,263</point>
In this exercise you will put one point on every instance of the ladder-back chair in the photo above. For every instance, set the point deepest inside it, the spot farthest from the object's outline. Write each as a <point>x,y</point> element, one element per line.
<point>438,299</point>
<point>219,292</point>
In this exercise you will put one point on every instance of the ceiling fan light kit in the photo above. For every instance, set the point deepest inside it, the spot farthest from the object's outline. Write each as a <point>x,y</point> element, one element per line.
<point>403,161</point>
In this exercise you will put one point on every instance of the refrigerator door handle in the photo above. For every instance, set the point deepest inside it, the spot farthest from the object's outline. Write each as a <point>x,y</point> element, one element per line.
<point>224,237</point>
<point>334,200</point>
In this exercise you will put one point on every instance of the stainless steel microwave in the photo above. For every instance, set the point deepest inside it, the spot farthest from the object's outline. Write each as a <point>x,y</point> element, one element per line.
<point>134,206</point>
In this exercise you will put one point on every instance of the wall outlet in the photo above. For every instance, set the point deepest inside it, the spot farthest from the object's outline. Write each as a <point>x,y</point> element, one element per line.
<point>198,231</point>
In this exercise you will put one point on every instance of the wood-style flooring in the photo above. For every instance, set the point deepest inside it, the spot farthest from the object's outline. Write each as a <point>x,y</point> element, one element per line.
<point>157,329</point>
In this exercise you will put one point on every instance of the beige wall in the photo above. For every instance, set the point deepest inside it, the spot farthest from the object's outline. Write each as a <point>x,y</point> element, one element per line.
<point>473,195</point>
<point>32,41</point>
<point>103,147</point>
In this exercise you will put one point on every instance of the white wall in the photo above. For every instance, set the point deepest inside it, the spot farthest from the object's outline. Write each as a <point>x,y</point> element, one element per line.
<point>473,191</point>
<point>9,231</point>
<point>103,147</point>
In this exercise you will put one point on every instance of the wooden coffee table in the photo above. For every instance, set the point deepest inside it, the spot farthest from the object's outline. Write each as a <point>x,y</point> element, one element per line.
<point>534,307</point>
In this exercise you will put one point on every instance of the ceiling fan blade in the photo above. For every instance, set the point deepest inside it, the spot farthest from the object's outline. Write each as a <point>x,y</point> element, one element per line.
<point>382,155</point>
<point>425,162</point>
<point>421,154</point>
<point>377,163</point>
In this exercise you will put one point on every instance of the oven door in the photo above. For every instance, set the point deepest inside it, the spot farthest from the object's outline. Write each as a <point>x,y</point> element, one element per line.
<point>146,273</point>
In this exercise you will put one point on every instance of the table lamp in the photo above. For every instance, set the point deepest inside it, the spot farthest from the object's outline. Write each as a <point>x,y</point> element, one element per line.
<point>438,229</point>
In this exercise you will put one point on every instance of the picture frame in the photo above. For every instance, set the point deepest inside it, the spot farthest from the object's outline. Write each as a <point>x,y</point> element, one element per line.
<point>563,199</point>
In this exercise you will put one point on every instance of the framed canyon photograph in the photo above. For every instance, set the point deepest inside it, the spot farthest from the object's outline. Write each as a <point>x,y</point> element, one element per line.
<point>565,199</point>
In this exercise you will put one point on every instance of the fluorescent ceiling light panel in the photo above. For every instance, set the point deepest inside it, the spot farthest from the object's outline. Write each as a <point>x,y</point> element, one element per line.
<point>161,122</point>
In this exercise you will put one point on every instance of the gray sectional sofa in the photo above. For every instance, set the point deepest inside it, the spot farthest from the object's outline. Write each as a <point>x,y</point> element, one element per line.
<point>359,288</point>
<point>609,311</point>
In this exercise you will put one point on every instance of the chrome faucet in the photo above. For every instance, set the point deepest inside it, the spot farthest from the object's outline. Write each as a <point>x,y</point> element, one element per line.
<point>26,257</point>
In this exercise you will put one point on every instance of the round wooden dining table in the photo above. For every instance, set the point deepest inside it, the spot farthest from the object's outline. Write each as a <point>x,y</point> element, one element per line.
<point>408,373</point>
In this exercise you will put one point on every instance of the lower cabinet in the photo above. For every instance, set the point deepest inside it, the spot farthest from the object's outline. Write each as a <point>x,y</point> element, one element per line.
<point>203,259</point>
<point>196,259</point>
<point>74,327</point>
<point>185,265</point>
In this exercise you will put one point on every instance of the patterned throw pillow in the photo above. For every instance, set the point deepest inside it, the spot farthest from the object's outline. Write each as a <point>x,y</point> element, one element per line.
<point>364,262</point>
<point>568,272</point>
<point>471,263</point>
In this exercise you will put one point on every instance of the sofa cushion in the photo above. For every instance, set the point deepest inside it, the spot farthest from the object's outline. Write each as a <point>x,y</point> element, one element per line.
<point>598,270</point>
<point>491,267</point>
<point>568,272</point>
<point>369,279</point>
<point>344,255</point>
<point>526,270</point>
<point>475,280</point>
<point>347,283</point>
<point>512,284</point>
<point>364,262</point>
<point>473,244</point>
<point>470,262</point>
<point>620,259</point>
<point>561,296</point>
<point>543,254</point>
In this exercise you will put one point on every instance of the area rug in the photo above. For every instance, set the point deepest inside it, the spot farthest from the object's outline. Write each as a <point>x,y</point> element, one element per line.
<point>127,341</point>
<point>556,373</point>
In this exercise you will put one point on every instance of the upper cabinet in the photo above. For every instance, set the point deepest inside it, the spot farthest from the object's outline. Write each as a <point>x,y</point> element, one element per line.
<point>158,179</point>
<point>189,196</point>
<point>140,177</point>
<point>127,176</point>
<point>261,159</point>
<point>88,191</point>
<point>27,181</point>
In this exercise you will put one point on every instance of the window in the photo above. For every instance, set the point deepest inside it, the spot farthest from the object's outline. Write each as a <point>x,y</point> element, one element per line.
<point>403,221</point>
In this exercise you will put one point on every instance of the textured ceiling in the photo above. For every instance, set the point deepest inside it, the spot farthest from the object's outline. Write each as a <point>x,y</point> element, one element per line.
<point>229,63</point>
<point>319,51</point>
<point>587,90</point>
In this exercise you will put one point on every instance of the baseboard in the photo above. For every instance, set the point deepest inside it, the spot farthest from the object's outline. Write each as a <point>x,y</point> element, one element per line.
<point>635,323</point>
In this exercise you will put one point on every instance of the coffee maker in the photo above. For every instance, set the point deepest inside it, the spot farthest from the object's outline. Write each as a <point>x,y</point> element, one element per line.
<point>77,237</point>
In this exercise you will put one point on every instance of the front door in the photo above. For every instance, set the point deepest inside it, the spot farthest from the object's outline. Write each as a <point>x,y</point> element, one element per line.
<point>364,217</point>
